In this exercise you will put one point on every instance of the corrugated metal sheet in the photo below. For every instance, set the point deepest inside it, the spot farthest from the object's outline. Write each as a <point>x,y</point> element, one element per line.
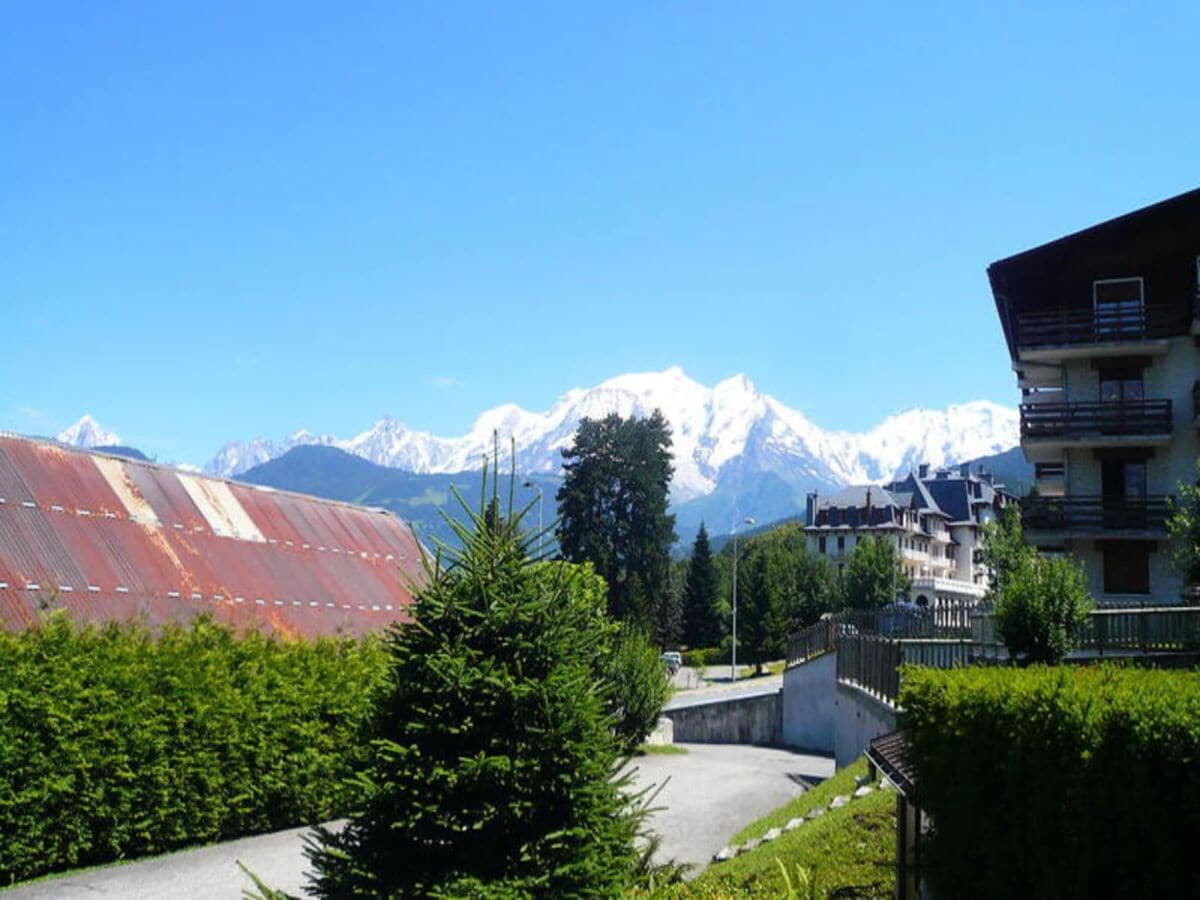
<point>220,508</point>
<point>108,538</point>
<point>118,479</point>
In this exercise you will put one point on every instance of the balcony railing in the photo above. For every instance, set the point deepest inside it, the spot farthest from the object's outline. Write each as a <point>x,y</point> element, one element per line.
<point>1083,420</point>
<point>1095,514</point>
<point>1087,326</point>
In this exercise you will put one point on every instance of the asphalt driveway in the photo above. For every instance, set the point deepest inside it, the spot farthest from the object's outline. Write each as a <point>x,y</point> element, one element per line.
<point>707,796</point>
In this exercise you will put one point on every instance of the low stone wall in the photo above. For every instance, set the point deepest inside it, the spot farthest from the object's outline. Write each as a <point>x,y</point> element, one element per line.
<point>809,709</point>
<point>858,718</point>
<point>737,720</point>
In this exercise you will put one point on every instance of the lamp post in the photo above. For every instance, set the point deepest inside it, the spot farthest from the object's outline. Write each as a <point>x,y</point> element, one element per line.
<point>537,487</point>
<point>749,520</point>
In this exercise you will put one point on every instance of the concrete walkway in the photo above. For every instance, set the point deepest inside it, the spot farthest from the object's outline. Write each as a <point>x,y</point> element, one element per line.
<point>707,796</point>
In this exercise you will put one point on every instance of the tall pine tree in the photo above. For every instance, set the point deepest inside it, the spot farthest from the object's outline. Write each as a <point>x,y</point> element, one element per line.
<point>613,511</point>
<point>701,594</point>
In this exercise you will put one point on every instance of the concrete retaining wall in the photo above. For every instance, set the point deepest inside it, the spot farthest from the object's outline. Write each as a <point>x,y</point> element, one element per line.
<point>858,718</point>
<point>809,707</point>
<point>738,720</point>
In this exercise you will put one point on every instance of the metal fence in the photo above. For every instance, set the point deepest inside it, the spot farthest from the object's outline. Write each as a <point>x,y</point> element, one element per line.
<point>871,663</point>
<point>870,660</point>
<point>1143,630</point>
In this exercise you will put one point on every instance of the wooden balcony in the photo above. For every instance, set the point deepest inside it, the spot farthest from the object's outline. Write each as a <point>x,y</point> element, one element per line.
<point>1094,514</point>
<point>1097,424</point>
<point>1084,331</point>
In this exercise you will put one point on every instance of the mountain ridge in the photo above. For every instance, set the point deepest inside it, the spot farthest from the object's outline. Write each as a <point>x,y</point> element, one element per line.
<point>719,433</point>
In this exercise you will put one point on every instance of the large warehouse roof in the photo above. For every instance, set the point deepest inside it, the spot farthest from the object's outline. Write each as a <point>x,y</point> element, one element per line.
<point>106,537</point>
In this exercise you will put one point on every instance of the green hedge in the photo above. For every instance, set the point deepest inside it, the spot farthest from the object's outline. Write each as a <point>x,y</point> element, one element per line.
<point>706,656</point>
<point>116,742</point>
<point>1057,782</point>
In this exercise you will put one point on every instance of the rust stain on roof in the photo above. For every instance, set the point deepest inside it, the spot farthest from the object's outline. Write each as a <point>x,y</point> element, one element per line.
<point>110,538</point>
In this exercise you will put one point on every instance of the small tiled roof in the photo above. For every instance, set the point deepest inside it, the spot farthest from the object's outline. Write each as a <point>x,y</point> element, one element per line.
<point>857,496</point>
<point>889,753</point>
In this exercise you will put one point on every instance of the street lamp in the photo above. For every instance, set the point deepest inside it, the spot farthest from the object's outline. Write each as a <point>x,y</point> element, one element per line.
<point>538,488</point>
<point>749,520</point>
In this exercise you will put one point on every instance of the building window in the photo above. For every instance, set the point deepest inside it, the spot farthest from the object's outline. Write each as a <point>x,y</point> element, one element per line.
<point>1126,567</point>
<point>841,544</point>
<point>1119,307</point>
<point>821,545</point>
<point>1123,478</point>
<point>1121,385</point>
<point>1048,470</point>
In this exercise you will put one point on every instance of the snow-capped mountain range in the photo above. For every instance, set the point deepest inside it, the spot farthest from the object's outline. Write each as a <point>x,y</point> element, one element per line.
<point>730,430</point>
<point>88,433</point>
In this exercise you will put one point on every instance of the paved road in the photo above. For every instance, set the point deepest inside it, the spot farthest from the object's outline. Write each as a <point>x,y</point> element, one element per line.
<point>206,873</point>
<point>726,691</point>
<point>707,796</point>
<point>718,789</point>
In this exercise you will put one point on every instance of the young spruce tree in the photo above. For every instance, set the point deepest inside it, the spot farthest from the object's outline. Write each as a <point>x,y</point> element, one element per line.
<point>492,771</point>
<point>701,593</point>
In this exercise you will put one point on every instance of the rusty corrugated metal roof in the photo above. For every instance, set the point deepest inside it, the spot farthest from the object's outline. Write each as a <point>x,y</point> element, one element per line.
<point>106,537</point>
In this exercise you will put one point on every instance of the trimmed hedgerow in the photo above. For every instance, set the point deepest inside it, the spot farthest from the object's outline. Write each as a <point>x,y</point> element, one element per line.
<point>118,742</point>
<point>1057,782</point>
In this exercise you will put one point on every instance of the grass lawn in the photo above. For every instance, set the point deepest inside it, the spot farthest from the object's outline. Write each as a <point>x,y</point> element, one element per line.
<point>849,851</point>
<point>661,750</point>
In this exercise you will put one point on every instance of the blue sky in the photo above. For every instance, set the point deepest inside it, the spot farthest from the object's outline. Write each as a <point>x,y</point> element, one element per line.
<point>223,220</point>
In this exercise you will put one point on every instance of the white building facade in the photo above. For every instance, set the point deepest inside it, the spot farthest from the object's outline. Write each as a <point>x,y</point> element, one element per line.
<point>933,521</point>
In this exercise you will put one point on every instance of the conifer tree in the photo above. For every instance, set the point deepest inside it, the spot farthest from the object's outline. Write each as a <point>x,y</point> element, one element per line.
<point>613,510</point>
<point>492,771</point>
<point>701,594</point>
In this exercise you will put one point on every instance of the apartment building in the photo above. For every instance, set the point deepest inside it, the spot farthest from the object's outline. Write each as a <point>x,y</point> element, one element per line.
<point>933,520</point>
<point>1101,327</point>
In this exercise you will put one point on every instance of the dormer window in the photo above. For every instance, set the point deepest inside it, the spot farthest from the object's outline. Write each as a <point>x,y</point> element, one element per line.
<point>1120,306</point>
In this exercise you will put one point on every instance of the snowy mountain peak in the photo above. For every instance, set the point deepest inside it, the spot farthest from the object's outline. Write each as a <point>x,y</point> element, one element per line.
<point>729,431</point>
<point>87,432</point>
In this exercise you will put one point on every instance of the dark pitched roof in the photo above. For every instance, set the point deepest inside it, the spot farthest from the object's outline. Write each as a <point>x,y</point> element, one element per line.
<point>1166,211</point>
<point>889,753</point>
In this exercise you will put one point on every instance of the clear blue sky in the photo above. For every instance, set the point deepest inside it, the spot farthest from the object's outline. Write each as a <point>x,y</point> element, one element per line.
<point>224,220</point>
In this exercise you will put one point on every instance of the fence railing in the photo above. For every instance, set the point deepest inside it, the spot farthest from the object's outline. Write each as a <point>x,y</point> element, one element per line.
<point>1090,326</point>
<point>1096,420</point>
<point>811,642</point>
<point>871,663</point>
<point>943,621</point>
<point>1138,630</point>
<point>1096,514</point>
<point>1151,630</point>
<point>936,653</point>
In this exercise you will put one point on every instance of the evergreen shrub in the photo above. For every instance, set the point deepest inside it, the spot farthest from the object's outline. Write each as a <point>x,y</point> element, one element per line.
<point>1050,782</point>
<point>118,742</point>
<point>495,767</point>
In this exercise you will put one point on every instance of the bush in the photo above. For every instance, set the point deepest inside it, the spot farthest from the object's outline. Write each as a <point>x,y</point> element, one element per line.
<point>698,657</point>
<point>115,742</point>
<point>493,772</point>
<point>637,687</point>
<point>1041,603</point>
<point>1057,782</point>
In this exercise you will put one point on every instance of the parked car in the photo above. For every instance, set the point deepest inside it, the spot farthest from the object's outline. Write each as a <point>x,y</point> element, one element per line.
<point>673,660</point>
